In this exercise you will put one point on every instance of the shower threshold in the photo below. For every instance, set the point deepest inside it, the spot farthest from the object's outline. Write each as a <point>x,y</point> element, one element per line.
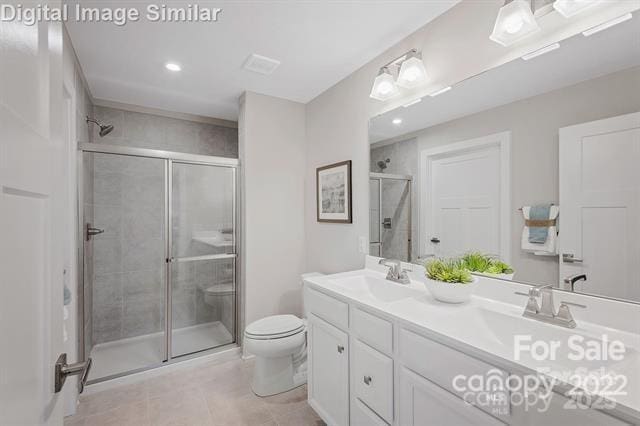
<point>135,353</point>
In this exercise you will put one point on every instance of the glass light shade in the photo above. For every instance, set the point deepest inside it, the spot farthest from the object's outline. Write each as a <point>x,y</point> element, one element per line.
<point>515,21</point>
<point>384,86</point>
<point>568,8</point>
<point>412,73</point>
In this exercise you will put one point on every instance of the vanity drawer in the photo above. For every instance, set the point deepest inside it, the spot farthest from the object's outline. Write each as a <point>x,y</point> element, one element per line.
<point>442,364</point>
<point>375,331</point>
<point>326,307</point>
<point>373,379</point>
<point>361,415</point>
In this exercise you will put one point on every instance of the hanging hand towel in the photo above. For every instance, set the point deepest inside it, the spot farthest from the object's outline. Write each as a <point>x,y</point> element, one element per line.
<point>548,248</point>
<point>540,213</point>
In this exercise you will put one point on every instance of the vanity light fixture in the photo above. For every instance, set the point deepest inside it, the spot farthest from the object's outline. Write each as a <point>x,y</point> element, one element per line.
<point>171,66</point>
<point>440,92</point>
<point>410,70</point>
<point>515,21</point>
<point>569,8</point>
<point>541,51</point>
<point>608,24</point>
<point>397,121</point>
<point>384,86</point>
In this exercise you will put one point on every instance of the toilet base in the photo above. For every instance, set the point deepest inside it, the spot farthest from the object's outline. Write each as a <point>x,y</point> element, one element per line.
<point>272,376</point>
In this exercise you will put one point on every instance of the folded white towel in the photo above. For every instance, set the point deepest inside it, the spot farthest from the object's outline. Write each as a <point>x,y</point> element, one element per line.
<point>549,248</point>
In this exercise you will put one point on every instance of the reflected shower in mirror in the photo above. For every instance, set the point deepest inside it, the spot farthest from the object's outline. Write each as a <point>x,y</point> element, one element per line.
<point>528,171</point>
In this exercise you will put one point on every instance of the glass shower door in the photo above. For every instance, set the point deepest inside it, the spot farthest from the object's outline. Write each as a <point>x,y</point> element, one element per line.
<point>203,257</point>
<point>124,262</point>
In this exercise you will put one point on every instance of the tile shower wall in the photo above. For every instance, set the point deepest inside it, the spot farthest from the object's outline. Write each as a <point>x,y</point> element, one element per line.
<point>128,197</point>
<point>395,197</point>
<point>155,132</point>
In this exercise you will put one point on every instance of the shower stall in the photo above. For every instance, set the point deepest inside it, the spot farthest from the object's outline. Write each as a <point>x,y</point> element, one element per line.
<point>159,256</point>
<point>390,226</point>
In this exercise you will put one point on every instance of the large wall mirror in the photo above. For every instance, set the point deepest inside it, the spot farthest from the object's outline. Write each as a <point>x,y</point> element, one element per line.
<point>535,163</point>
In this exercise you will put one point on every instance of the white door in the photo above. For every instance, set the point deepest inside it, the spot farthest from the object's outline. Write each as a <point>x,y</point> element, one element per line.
<point>600,205</point>
<point>466,193</point>
<point>31,221</point>
<point>328,372</point>
<point>424,403</point>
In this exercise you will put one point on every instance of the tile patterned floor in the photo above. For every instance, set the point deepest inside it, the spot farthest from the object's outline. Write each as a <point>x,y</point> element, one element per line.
<point>206,394</point>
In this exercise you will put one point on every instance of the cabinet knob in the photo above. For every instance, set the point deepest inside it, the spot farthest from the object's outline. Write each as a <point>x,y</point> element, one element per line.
<point>340,348</point>
<point>367,380</point>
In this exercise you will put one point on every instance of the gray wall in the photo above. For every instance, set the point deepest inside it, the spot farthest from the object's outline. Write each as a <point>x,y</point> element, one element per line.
<point>272,152</point>
<point>128,201</point>
<point>534,124</point>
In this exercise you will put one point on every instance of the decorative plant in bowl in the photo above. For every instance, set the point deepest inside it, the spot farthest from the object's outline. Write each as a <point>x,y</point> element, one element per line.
<point>487,265</point>
<point>449,281</point>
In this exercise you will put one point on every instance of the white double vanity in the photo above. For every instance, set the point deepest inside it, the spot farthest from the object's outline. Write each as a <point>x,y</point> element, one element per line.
<point>382,353</point>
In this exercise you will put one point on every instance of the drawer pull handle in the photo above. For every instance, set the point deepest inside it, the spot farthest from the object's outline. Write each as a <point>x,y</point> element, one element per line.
<point>367,380</point>
<point>340,349</point>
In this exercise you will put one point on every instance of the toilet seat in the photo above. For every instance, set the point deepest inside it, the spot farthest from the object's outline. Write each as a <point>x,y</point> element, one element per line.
<point>274,327</point>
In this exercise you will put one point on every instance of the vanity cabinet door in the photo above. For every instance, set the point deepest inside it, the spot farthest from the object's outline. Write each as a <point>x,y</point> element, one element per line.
<point>328,372</point>
<point>424,403</point>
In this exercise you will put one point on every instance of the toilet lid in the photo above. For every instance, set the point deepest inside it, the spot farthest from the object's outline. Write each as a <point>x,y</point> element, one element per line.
<point>275,325</point>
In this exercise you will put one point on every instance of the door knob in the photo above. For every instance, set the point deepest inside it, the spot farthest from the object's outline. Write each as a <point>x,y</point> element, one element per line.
<point>367,380</point>
<point>340,348</point>
<point>64,370</point>
<point>573,279</point>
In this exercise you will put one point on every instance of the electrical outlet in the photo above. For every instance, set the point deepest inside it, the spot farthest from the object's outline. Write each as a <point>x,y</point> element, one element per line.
<point>363,245</point>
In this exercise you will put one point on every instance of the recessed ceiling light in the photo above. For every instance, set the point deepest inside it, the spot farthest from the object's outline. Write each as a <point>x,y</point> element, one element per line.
<point>397,121</point>
<point>173,67</point>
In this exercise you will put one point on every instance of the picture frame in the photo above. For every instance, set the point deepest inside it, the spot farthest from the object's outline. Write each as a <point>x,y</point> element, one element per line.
<point>333,193</point>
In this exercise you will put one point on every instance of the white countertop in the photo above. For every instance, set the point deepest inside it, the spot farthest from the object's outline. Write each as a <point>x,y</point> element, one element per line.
<point>486,326</point>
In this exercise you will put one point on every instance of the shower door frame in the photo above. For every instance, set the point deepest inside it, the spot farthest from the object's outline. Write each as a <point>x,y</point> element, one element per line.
<point>169,157</point>
<point>379,177</point>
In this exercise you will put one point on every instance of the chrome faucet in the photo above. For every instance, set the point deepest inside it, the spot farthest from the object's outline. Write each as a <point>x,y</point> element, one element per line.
<point>545,311</point>
<point>396,273</point>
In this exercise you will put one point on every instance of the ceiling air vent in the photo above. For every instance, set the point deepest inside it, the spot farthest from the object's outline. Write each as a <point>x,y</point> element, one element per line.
<point>261,64</point>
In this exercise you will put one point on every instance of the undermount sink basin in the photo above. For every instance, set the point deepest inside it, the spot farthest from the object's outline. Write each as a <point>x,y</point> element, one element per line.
<point>367,287</point>
<point>572,344</point>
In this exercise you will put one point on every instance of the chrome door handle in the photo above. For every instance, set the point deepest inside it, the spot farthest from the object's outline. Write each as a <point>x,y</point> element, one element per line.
<point>64,370</point>
<point>91,231</point>
<point>367,380</point>
<point>569,258</point>
<point>340,349</point>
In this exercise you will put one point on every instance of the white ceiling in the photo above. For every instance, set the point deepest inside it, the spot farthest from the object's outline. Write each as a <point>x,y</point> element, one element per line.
<point>318,43</point>
<point>578,59</point>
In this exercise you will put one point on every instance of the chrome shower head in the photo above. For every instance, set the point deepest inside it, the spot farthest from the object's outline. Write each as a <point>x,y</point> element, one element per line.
<point>105,129</point>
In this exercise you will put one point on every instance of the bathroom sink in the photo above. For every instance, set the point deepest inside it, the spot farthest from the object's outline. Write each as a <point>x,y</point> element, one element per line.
<point>368,287</point>
<point>575,347</point>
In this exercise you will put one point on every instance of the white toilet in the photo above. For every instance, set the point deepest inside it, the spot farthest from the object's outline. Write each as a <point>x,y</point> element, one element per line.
<point>279,343</point>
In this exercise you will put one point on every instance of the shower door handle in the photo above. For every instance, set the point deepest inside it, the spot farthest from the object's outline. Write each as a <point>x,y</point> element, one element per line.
<point>91,231</point>
<point>64,370</point>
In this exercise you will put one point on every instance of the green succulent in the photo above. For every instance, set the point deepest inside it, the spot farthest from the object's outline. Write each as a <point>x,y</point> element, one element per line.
<point>478,262</point>
<point>448,270</point>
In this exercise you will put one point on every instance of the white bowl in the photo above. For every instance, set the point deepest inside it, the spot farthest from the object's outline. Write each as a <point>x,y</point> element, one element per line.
<point>508,277</point>
<point>451,292</point>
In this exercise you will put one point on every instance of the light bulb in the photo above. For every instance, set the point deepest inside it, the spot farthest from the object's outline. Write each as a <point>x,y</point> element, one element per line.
<point>513,25</point>
<point>412,72</point>
<point>384,86</point>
